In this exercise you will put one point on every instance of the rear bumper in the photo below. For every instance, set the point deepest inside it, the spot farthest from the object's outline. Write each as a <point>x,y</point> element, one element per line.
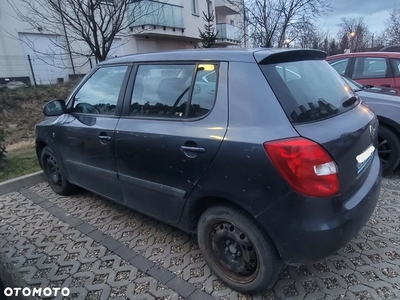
<point>306,230</point>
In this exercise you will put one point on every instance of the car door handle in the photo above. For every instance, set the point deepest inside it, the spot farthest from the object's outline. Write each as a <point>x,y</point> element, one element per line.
<point>193,149</point>
<point>386,85</point>
<point>105,137</point>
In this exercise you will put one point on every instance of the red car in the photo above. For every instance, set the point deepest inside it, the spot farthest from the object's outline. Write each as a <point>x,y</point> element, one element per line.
<point>369,68</point>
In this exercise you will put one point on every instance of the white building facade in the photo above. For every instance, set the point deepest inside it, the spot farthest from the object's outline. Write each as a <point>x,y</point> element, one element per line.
<point>174,25</point>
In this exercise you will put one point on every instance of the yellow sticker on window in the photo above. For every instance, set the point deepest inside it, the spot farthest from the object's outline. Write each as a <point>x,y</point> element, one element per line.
<point>206,67</point>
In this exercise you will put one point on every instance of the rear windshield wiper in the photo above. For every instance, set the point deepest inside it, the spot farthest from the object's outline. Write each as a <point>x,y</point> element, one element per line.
<point>349,102</point>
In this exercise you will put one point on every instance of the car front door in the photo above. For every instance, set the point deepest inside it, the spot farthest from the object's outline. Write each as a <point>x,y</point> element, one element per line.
<point>341,65</point>
<point>171,130</point>
<point>86,135</point>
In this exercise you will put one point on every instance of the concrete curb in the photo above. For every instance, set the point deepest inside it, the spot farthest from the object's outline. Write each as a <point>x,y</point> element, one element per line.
<point>18,183</point>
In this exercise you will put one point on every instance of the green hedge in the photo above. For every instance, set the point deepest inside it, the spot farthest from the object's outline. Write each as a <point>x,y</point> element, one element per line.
<point>2,147</point>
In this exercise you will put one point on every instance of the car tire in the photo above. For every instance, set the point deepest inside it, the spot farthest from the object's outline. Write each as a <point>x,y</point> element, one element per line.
<point>388,149</point>
<point>55,174</point>
<point>237,250</point>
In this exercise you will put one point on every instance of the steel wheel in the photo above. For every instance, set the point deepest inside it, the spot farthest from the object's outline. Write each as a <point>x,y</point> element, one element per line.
<point>237,250</point>
<point>233,252</point>
<point>54,173</point>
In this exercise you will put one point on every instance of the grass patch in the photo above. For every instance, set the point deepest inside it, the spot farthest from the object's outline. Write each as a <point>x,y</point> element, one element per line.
<point>19,162</point>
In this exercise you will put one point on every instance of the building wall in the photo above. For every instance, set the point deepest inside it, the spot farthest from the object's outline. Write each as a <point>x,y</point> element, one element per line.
<point>18,39</point>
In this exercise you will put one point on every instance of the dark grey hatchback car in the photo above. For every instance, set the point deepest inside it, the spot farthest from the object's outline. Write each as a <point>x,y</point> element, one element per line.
<point>266,155</point>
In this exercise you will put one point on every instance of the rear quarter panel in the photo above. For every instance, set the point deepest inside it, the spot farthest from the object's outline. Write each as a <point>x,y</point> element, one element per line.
<point>241,172</point>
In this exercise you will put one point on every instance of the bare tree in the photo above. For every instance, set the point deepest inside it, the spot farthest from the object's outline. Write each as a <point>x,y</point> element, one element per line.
<point>270,21</point>
<point>392,28</point>
<point>344,42</point>
<point>303,34</point>
<point>84,27</point>
<point>380,40</point>
<point>357,32</point>
<point>263,17</point>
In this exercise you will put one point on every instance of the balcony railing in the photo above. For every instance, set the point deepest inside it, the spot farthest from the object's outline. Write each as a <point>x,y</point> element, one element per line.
<point>148,12</point>
<point>226,7</point>
<point>228,32</point>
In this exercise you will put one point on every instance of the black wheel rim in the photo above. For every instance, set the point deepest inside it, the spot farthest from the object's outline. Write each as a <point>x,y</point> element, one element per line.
<point>232,251</point>
<point>53,171</point>
<point>384,150</point>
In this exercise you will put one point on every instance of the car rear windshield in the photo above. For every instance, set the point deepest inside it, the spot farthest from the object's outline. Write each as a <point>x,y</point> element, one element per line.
<point>309,90</point>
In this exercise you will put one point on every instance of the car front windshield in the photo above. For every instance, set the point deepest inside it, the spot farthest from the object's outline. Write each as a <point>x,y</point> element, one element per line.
<point>355,86</point>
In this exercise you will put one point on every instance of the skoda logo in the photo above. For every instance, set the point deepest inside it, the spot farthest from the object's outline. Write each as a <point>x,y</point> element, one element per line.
<point>372,130</point>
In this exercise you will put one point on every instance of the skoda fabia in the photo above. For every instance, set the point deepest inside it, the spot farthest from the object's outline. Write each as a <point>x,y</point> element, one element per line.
<point>267,156</point>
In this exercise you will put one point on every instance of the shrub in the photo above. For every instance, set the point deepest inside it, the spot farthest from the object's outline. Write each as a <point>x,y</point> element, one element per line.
<point>2,147</point>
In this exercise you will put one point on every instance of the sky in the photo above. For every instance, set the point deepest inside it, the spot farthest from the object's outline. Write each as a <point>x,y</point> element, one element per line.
<point>375,13</point>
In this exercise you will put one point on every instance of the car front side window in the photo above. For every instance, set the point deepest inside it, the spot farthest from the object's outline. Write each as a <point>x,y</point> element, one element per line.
<point>99,94</point>
<point>340,65</point>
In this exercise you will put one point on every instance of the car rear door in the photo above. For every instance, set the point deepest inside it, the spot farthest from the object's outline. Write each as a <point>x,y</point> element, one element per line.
<point>373,70</point>
<point>170,132</point>
<point>86,133</point>
<point>324,109</point>
<point>395,64</point>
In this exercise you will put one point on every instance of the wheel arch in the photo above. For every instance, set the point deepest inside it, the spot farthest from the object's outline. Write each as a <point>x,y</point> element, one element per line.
<point>195,209</point>
<point>40,145</point>
<point>395,127</point>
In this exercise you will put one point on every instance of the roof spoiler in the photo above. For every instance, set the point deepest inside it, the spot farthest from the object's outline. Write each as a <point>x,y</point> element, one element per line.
<point>264,57</point>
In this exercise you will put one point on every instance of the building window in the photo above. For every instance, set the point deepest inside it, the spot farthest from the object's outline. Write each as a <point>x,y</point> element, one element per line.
<point>195,9</point>
<point>232,22</point>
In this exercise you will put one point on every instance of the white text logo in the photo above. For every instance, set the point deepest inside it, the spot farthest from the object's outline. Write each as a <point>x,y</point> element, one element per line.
<point>36,291</point>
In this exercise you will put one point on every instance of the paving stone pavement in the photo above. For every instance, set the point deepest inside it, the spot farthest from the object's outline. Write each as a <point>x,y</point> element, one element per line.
<point>101,250</point>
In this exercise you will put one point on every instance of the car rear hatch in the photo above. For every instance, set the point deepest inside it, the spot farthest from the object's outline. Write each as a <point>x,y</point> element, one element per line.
<point>323,108</point>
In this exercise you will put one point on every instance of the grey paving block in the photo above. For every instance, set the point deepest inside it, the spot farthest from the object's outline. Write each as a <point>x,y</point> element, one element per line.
<point>46,204</point>
<point>65,217</point>
<point>141,263</point>
<point>97,235</point>
<point>85,228</point>
<point>161,274</point>
<point>110,243</point>
<point>200,295</point>
<point>125,252</point>
<point>54,210</point>
<point>75,221</point>
<point>181,286</point>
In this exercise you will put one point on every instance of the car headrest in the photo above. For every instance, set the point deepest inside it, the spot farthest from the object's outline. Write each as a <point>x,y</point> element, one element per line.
<point>169,89</point>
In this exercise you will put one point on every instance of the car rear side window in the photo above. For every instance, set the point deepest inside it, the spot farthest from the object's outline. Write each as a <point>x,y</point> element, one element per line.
<point>164,90</point>
<point>369,67</point>
<point>395,66</point>
<point>309,90</point>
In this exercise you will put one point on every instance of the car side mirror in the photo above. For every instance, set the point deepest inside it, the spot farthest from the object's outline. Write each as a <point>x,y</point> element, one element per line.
<point>54,108</point>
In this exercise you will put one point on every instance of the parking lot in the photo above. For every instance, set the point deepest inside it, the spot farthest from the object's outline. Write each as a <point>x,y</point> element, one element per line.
<point>101,250</point>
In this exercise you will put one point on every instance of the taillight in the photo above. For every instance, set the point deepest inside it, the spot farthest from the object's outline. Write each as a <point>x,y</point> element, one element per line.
<point>305,165</point>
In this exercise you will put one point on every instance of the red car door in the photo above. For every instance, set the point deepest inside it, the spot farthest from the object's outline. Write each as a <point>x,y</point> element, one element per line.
<point>373,70</point>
